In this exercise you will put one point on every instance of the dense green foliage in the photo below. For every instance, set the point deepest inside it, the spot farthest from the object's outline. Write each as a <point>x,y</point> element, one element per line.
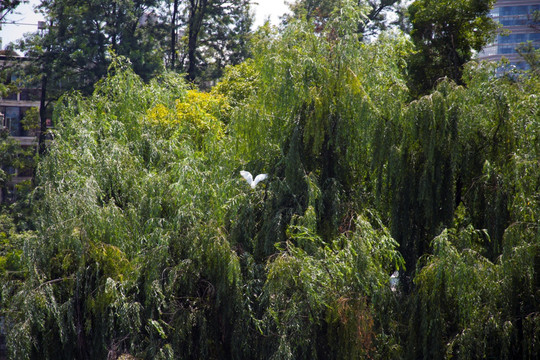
<point>148,243</point>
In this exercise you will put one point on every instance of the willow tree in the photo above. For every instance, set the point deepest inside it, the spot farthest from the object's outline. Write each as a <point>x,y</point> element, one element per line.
<point>331,93</point>
<point>476,265</point>
<point>307,118</point>
<point>125,260</point>
<point>421,172</point>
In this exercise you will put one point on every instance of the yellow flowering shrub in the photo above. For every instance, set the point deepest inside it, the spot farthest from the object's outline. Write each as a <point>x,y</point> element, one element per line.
<point>202,110</point>
<point>158,115</point>
<point>199,116</point>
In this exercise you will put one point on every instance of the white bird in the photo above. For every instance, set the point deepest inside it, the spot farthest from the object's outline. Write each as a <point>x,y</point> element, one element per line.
<point>394,280</point>
<point>249,178</point>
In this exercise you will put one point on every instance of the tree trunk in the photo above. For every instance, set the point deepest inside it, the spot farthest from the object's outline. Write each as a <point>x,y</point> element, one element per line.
<point>43,116</point>
<point>173,34</point>
<point>196,16</point>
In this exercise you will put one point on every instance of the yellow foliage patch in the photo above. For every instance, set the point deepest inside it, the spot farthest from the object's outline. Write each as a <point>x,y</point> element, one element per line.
<point>195,116</point>
<point>159,114</point>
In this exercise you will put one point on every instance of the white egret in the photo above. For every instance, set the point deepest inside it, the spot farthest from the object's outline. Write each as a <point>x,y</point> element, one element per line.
<point>394,280</point>
<point>249,178</point>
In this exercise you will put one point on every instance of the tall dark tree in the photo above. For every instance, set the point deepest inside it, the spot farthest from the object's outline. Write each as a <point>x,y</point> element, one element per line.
<point>174,37</point>
<point>445,33</point>
<point>216,34</point>
<point>319,11</point>
<point>73,52</point>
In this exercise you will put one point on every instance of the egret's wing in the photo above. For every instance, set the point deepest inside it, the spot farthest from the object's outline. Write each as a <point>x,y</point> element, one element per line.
<point>247,175</point>
<point>258,179</point>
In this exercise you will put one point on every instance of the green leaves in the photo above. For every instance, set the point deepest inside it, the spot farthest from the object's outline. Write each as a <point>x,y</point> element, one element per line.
<point>149,243</point>
<point>466,298</point>
<point>316,290</point>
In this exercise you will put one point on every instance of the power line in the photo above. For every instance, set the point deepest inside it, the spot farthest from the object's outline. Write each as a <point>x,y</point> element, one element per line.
<point>16,23</point>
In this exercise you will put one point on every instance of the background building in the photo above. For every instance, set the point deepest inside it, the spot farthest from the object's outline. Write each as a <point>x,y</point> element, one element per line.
<point>521,23</point>
<point>15,104</point>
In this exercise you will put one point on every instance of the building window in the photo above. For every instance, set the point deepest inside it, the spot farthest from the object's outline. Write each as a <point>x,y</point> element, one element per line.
<point>506,50</point>
<point>515,21</point>
<point>13,120</point>
<point>11,96</point>
<point>29,95</point>
<point>517,10</point>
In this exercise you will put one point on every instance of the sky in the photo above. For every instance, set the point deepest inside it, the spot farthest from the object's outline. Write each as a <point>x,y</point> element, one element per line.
<point>27,19</point>
<point>272,9</point>
<point>23,14</point>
